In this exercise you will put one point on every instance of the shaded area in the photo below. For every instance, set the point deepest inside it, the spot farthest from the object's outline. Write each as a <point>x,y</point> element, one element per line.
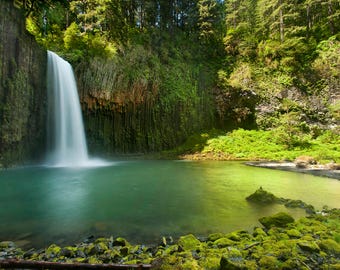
<point>22,90</point>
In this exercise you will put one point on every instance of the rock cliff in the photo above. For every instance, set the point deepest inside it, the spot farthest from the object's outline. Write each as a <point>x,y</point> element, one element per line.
<point>22,89</point>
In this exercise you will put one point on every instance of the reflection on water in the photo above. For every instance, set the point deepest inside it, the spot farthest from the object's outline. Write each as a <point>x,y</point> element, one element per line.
<point>143,200</point>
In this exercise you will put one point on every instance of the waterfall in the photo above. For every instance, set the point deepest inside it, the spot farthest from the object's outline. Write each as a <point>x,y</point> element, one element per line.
<point>66,136</point>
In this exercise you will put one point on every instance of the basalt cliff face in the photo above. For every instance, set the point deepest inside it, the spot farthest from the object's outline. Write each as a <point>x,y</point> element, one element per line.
<point>22,89</point>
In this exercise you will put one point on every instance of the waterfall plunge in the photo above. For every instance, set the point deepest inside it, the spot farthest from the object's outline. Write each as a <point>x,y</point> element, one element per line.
<point>66,137</point>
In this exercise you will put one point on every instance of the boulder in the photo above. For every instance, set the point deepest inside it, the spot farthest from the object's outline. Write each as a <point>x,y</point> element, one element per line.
<point>224,242</point>
<point>215,236</point>
<point>309,246</point>
<point>330,247</point>
<point>262,197</point>
<point>280,219</point>
<point>52,251</point>
<point>6,244</point>
<point>304,161</point>
<point>120,241</point>
<point>188,242</point>
<point>227,263</point>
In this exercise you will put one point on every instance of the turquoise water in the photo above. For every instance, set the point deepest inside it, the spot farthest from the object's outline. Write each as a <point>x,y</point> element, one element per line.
<point>145,200</point>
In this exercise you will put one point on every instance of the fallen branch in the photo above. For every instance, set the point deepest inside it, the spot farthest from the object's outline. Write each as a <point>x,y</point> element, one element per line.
<point>252,245</point>
<point>60,265</point>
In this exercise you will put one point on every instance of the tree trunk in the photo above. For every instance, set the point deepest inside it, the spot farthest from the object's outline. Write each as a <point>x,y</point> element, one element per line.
<point>281,24</point>
<point>58,265</point>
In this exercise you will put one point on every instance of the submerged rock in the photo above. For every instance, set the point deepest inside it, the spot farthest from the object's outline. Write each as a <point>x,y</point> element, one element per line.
<point>262,196</point>
<point>278,220</point>
<point>299,204</point>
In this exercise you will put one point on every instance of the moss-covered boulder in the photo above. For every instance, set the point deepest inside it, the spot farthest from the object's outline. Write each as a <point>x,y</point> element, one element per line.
<point>299,204</point>
<point>262,196</point>
<point>188,242</point>
<point>280,219</point>
<point>294,233</point>
<point>215,236</point>
<point>7,244</point>
<point>259,232</point>
<point>120,241</point>
<point>309,246</point>
<point>52,251</point>
<point>228,263</point>
<point>224,242</point>
<point>269,262</point>
<point>330,247</point>
<point>68,252</point>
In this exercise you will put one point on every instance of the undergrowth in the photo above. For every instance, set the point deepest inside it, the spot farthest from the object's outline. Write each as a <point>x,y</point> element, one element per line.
<point>265,145</point>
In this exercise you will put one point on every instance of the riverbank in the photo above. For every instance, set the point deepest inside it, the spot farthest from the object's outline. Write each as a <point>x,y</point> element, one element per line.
<point>329,170</point>
<point>309,243</point>
<point>317,170</point>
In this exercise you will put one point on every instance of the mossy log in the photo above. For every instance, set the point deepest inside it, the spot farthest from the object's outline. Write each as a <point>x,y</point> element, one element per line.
<point>59,265</point>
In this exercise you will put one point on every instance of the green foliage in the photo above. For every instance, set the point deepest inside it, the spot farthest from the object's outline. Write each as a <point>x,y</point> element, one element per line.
<point>274,64</point>
<point>328,61</point>
<point>253,145</point>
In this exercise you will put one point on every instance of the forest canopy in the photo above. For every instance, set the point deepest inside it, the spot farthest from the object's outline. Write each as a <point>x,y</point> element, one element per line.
<point>248,63</point>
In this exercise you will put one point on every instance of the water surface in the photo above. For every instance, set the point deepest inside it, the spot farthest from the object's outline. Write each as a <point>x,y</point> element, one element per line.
<point>144,200</point>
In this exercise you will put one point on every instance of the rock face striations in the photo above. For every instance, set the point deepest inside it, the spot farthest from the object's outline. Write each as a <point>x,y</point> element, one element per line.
<point>22,89</point>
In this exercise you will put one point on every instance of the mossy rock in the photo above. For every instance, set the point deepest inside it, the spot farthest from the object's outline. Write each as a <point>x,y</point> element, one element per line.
<point>80,260</point>
<point>7,244</point>
<point>124,251</point>
<point>299,204</point>
<point>335,266</point>
<point>190,265</point>
<point>280,219</point>
<point>262,196</point>
<point>330,247</point>
<point>238,235</point>
<point>171,249</point>
<point>259,232</point>
<point>188,242</point>
<point>112,254</point>
<point>94,260</point>
<point>227,263</point>
<point>52,251</point>
<point>309,246</point>
<point>215,236</point>
<point>269,262</point>
<point>68,252</point>
<point>210,262</point>
<point>224,242</point>
<point>120,241</point>
<point>290,264</point>
<point>294,233</point>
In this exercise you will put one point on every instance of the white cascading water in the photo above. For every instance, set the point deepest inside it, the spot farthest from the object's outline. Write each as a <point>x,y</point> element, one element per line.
<point>66,136</point>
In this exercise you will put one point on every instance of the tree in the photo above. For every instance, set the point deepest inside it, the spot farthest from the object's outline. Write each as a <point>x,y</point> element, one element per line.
<point>240,25</point>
